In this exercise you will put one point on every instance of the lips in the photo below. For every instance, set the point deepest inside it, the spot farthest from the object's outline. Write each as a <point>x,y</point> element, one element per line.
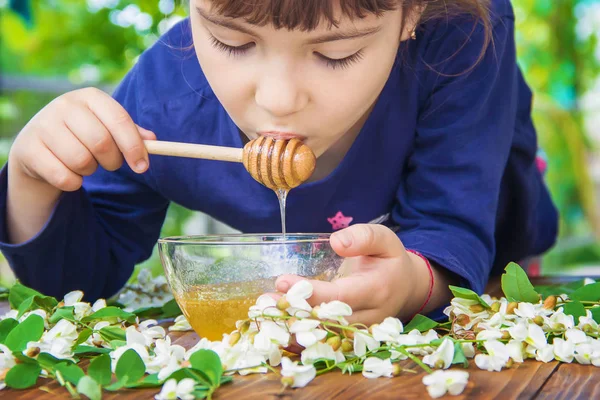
<point>281,135</point>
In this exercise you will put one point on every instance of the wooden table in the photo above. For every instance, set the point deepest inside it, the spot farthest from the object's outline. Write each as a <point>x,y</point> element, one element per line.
<point>529,380</point>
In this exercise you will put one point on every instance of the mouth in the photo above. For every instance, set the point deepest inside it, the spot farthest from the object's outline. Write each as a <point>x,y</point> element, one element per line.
<point>281,135</point>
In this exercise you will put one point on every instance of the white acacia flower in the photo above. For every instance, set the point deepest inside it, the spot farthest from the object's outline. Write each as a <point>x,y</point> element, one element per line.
<point>203,343</point>
<point>95,339</point>
<point>364,341</point>
<point>576,336</point>
<point>318,351</point>
<point>588,320</point>
<point>181,324</point>
<point>559,320</point>
<point>545,353</point>
<point>440,382</point>
<point>468,350</point>
<point>588,353</point>
<point>334,310</point>
<point>515,350</point>
<point>150,332</point>
<point>296,297</point>
<point>489,334</point>
<point>301,374</point>
<point>167,358</point>
<point>442,356</point>
<point>81,310</point>
<point>39,312</point>
<point>529,333</point>
<point>306,332</point>
<point>73,297</point>
<point>58,347</point>
<point>62,330</point>
<point>389,330</point>
<point>7,361</point>
<point>496,358</point>
<point>588,281</point>
<point>10,314</point>
<point>374,367</point>
<point>266,305</point>
<point>415,337</point>
<point>564,350</point>
<point>172,390</point>
<point>135,341</point>
<point>272,332</point>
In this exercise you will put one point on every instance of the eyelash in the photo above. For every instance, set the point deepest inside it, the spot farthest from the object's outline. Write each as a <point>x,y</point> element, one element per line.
<point>341,63</point>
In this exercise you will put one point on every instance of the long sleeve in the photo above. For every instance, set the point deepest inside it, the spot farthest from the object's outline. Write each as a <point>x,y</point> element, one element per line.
<point>447,206</point>
<point>95,235</point>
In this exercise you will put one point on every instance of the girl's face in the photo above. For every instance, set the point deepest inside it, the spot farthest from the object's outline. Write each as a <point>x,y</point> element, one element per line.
<point>316,85</point>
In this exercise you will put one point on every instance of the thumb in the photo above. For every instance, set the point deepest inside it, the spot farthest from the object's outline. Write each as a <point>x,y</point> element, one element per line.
<point>146,134</point>
<point>367,240</point>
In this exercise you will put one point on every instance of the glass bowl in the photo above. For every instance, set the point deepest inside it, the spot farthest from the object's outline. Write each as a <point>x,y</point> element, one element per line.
<point>216,278</point>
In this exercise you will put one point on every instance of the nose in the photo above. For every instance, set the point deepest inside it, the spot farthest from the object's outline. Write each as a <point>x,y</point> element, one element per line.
<point>279,91</point>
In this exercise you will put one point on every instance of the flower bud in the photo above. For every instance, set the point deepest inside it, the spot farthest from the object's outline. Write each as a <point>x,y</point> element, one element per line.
<point>550,302</point>
<point>244,327</point>
<point>477,308</point>
<point>496,306</point>
<point>587,328</point>
<point>97,343</point>
<point>538,320</point>
<point>372,327</point>
<point>335,342</point>
<point>283,304</point>
<point>287,381</point>
<point>349,334</point>
<point>510,309</point>
<point>234,338</point>
<point>397,370</point>
<point>32,352</point>
<point>505,335</point>
<point>251,336</point>
<point>315,312</point>
<point>439,364</point>
<point>347,345</point>
<point>509,363</point>
<point>462,320</point>
<point>560,326</point>
<point>476,329</point>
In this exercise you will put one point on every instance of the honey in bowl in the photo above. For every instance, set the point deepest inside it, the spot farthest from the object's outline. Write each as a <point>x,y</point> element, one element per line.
<point>213,310</point>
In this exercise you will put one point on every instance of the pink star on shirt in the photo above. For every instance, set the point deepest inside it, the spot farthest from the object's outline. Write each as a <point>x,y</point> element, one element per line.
<point>339,221</point>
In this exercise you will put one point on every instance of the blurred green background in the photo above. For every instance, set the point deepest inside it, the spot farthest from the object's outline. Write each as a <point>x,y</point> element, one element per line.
<point>53,46</point>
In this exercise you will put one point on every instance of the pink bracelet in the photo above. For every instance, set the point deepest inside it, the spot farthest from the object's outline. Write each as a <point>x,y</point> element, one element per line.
<point>430,269</point>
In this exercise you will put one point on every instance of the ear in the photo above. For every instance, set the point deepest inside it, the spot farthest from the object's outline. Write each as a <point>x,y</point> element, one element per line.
<point>411,22</point>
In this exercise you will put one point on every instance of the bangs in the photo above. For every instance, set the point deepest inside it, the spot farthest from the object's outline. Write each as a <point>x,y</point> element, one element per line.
<point>304,15</point>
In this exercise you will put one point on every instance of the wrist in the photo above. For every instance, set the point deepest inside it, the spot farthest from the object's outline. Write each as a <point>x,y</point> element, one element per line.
<point>424,276</point>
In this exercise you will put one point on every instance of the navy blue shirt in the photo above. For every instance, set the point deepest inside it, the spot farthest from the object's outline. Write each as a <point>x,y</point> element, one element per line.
<point>447,158</point>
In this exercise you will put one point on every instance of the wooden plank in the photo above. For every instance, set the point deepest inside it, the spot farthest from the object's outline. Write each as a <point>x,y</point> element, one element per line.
<point>571,382</point>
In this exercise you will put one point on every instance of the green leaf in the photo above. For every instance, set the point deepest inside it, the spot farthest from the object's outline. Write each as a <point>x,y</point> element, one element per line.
<point>146,312</point>
<point>576,309</point>
<point>595,314</point>
<point>110,333</point>
<point>208,362</point>
<point>90,388</point>
<point>555,289</point>
<point>110,314</point>
<point>99,369</point>
<point>23,376</point>
<point>70,372</point>
<point>459,355</point>
<point>201,393</point>
<point>199,376</point>
<point>83,336</point>
<point>420,323</point>
<point>63,313</point>
<point>384,354</point>
<point>587,293</point>
<point>19,293</point>
<point>115,344</point>
<point>516,285</point>
<point>48,361</point>
<point>35,302</point>
<point>130,367</point>
<point>90,350</point>
<point>30,330</point>
<point>171,309</point>
<point>7,325</point>
<point>149,381</point>
<point>464,293</point>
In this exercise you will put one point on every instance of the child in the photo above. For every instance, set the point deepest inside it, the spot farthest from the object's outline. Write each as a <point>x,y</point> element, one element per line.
<point>416,110</point>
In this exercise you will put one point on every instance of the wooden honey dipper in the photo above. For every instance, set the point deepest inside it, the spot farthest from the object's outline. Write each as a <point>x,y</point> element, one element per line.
<point>275,163</point>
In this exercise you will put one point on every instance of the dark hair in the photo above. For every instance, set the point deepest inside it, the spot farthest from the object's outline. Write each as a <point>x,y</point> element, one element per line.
<point>306,15</point>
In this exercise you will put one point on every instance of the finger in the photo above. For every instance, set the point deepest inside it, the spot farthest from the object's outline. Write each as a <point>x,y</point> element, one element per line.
<point>146,134</point>
<point>42,162</point>
<point>354,290</point>
<point>67,148</point>
<point>92,133</point>
<point>367,240</point>
<point>122,128</point>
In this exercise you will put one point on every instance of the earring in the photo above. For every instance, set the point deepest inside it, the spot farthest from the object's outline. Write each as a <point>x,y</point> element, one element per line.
<point>413,34</point>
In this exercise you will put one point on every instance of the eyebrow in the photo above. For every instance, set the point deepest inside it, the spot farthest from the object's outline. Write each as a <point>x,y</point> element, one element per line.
<point>330,37</point>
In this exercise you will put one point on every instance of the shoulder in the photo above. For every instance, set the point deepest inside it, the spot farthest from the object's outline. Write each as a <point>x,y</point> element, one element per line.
<point>169,71</point>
